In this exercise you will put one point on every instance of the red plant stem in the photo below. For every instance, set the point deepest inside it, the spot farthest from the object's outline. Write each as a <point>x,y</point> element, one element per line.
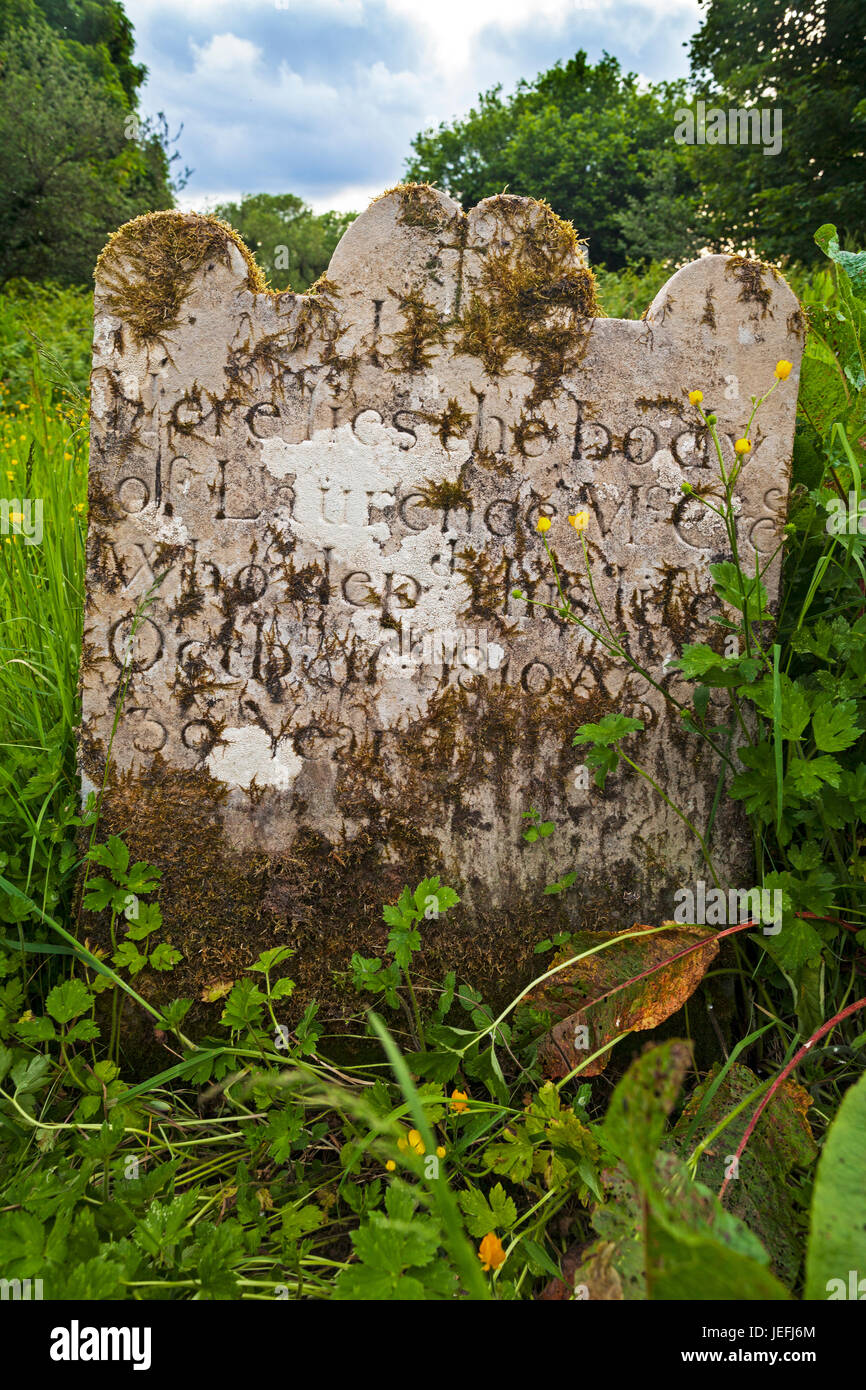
<point>783,1076</point>
<point>839,922</point>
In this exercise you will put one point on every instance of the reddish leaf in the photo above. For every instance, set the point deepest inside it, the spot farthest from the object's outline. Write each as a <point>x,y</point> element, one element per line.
<point>625,988</point>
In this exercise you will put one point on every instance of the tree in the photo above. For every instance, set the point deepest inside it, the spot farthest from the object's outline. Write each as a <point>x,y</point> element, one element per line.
<point>291,243</point>
<point>102,31</point>
<point>590,140</point>
<point>808,59</point>
<point>75,159</point>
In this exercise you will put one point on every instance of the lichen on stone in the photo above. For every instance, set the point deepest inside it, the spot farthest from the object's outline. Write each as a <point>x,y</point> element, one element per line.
<point>148,266</point>
<point>444,494</point>
<point>750,275</point>
<point>423,332</point>
<point>532,297</point>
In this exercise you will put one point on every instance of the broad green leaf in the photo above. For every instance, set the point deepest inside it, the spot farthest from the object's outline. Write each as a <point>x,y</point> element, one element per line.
<point>837,1236</point>
<point>834,725</point>
<point>147,919</point>
<point>610,729</point>
<point>485,1214</point>
<point>796,707</point>
<point>113,855</point>
<point>128,957</point>
<point>244,1006</point>
<point>69,1000</point>
<point>165,957</point>
<point>806,777</point>
<point>852,262</point>
<point>268,959</point>
<point>693,1247</point>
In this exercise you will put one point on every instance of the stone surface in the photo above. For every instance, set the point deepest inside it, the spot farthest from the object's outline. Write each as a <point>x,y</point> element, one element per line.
<point>332,691</point>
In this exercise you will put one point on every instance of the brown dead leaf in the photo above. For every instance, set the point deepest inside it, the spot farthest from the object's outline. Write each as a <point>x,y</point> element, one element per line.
<point>626,988</point>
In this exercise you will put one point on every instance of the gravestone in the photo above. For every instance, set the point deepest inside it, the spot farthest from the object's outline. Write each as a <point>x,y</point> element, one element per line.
<point>308,515</point>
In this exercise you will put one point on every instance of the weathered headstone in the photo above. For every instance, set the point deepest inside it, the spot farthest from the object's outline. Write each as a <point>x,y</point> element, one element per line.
<point>333,691</point>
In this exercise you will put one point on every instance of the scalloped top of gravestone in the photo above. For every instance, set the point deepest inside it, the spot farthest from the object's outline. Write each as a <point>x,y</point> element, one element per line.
<point>308,515</point>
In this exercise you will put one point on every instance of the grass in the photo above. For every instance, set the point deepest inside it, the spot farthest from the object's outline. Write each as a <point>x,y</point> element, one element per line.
<point>43,457</point>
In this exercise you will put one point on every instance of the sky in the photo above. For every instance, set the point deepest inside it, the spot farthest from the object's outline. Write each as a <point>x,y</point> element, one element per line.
<point>323,97</point>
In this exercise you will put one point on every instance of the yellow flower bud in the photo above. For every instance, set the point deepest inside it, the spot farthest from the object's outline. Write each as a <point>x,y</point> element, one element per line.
<point>696,397</point>
<point>390,1165</point>
<point>784,369</point>
<point>742,446</point>
<point>441,1151</point>
<point>543,524</point>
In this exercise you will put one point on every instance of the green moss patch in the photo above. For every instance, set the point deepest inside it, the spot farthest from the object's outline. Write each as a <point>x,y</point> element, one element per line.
<point>532,298</point>
<point>148,266</point>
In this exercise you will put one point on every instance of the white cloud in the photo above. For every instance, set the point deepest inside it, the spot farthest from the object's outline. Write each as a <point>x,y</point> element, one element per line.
<point>323,97</point>
<point>454,26</point>
<point>225,55</point>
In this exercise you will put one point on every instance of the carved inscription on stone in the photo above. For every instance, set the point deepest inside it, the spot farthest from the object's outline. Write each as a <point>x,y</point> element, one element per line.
<point>326,503</point>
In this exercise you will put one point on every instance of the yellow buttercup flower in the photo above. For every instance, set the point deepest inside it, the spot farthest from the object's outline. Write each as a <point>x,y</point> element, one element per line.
<point>16,517</point>
<point>10,475</point>
<point>696,397</point>
<point>743,446</point>
<point>459,1102</point>
<point>543,524</point>
<point>490,1252</point>
<point>441,1151</point>
<point>579,521</point>
<point>390,1165</point>
<point>784,369</point>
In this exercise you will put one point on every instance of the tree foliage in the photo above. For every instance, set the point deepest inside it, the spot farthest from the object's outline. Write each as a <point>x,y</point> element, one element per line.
<point>99,28</point>
<point>808,59</point>
<point>593,142</point>
<point>601,147</point>
<point>75,158</point>
<point>291,243</point>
